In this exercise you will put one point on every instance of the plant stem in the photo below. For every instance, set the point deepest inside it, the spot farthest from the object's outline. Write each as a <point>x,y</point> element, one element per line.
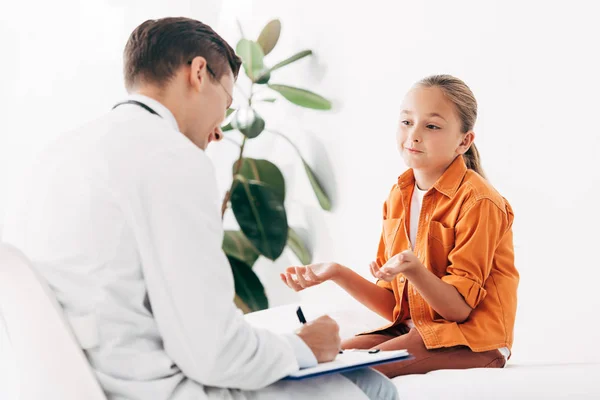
<point>238,165</point>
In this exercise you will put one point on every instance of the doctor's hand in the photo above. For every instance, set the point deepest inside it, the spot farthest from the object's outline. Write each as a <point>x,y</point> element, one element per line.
<point>300,278</point>
<point>322,336</point>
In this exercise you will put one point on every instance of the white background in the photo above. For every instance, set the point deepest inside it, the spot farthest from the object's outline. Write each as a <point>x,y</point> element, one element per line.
<point>532,65</point>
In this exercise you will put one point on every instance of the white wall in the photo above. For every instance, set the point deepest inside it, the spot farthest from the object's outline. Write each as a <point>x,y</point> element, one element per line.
<point>61,66</point>
<point>533,67</point>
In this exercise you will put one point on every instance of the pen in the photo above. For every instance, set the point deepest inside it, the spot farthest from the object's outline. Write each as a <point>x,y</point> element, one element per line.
<point>300,315</point>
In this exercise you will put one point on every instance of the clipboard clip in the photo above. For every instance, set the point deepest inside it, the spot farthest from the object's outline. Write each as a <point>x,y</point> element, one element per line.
<point>370,351</point>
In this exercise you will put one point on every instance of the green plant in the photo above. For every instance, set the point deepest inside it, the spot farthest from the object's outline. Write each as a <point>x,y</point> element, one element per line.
<point>258,191</point>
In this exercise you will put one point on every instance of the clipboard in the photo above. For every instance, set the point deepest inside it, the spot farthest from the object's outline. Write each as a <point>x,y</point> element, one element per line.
<point>350,360</point>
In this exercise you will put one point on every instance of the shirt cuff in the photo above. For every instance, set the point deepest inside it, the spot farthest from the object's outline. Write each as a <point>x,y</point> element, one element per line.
<point>471,291</point>
<point>384,284</point>
<point>304,354</point>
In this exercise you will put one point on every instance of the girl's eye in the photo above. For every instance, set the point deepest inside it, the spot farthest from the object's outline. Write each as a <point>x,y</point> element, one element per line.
<point>405,123</point>
<point>433,127</point>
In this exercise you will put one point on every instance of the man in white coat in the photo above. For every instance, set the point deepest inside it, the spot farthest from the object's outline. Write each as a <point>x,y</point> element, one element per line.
<point>122,218</point>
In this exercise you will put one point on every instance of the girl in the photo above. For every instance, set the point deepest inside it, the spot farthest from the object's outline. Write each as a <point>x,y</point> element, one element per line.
<point>446,278</point>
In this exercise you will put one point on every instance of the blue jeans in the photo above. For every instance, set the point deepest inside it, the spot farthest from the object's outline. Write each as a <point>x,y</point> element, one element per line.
<point>373,383</point>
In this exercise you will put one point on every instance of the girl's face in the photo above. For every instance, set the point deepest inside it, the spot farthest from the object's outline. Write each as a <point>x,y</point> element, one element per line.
<point>429,135</point>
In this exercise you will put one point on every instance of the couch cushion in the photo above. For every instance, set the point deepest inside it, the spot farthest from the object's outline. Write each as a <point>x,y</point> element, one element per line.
<point>516,381</point>
<point>569,381</point>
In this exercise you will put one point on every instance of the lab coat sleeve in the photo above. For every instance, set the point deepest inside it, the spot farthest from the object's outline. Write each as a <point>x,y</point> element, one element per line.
<point>175,208</point>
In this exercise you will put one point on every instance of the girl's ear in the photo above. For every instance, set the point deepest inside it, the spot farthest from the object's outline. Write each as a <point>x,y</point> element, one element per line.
<point>466,142</point>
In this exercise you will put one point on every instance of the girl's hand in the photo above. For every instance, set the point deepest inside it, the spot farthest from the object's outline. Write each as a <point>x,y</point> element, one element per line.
<point>401,263</point>
<point>300,278</point>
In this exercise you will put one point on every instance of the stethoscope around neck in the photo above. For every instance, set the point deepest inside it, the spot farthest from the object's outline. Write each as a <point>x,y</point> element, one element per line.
<point>139,104</point>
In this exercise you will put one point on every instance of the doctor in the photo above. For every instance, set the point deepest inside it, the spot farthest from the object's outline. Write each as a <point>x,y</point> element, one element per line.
<point>121,216</point>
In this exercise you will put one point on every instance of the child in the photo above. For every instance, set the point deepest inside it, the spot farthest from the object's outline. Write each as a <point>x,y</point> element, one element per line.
<point>445,269</point>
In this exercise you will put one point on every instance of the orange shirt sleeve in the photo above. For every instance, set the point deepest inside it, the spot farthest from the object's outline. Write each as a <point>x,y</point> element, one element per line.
<point>380,261</point>
<point>478,234</point>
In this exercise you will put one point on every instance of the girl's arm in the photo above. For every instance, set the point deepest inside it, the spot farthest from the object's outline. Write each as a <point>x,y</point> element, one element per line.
<point>477,236</point>
<point>441,296</point>
<point>376,298</point>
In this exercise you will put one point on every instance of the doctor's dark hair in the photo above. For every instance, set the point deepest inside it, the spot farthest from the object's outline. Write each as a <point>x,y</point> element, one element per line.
<point>158,48</point>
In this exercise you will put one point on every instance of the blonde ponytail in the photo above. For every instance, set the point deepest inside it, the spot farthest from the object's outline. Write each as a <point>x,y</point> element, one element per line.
<point>473,161</point>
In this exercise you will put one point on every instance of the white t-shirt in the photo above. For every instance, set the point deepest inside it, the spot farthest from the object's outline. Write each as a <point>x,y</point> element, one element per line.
<point>415,213</point>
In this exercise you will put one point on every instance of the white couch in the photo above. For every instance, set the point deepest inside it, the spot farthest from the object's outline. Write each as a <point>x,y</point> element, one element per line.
<point>515,381</point>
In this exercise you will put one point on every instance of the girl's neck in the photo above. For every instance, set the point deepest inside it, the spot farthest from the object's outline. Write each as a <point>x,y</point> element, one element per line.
<point>425,179</point>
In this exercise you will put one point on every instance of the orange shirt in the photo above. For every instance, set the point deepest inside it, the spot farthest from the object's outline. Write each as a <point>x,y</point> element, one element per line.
<point>465,238</point>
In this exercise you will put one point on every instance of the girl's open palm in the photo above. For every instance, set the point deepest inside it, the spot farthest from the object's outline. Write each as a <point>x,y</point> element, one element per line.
<point>302,277</point>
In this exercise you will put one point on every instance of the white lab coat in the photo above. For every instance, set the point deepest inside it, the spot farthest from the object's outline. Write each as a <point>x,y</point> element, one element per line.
<point>122,217</point>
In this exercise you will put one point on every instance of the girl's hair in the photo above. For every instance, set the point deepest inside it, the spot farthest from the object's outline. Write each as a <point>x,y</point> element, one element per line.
<point>459,93</point>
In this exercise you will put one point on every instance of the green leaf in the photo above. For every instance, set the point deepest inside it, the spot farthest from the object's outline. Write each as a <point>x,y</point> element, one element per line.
<point>317,188</point>
<point>314,182</point>
<point>303,98</point>
<point>247,121</point>
<point>269,36</point>
<point>268,100</point>
<point>261,215</point>
<point>235,244</point>
<point>263,76</point>
<point>298,247</point>
<point>247,285</point>
<point>292,59</point>
<point>241,305</point>
<point>263,171</point>
<point>252,57</point>
<point>228,127</point>
<point>239,24</point>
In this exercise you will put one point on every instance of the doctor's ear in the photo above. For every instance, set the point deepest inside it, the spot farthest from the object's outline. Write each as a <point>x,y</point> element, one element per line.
<point>198,72</point>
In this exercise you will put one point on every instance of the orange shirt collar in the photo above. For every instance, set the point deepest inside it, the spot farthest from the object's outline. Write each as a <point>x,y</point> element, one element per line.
<point>447,184</point>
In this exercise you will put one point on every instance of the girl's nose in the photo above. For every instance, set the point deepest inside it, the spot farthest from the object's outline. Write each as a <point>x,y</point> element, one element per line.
<point>414,136</point>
